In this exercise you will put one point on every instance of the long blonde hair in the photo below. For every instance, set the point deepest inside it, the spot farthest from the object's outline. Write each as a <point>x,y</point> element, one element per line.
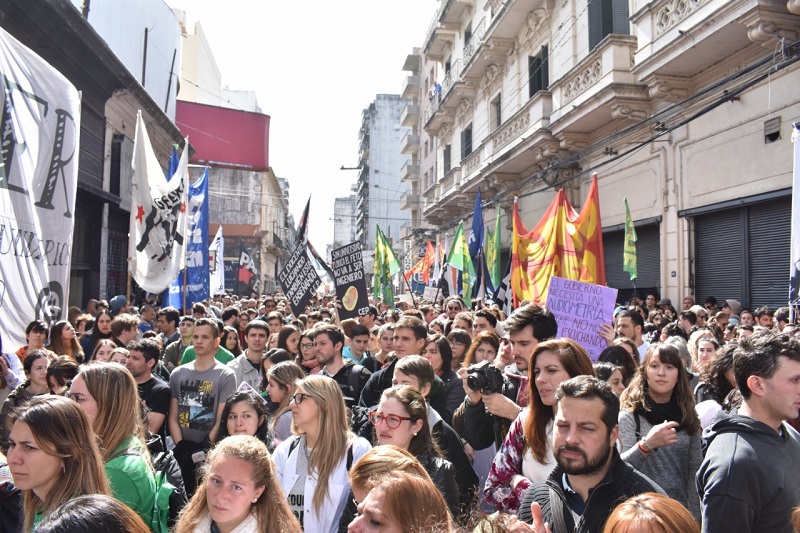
<point>61,429</point>
<point>286,374</point>
<point>382,461</point>
<point>118,406</point>
<point>414,503</point>
<point>334,435</point>
<point>271,508</point>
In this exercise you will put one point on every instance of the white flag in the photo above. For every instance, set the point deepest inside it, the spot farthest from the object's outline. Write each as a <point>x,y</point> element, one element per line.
<point>216,263</point>
<point>39,139</point>
<point>156,249</point>
<point>794,270</point>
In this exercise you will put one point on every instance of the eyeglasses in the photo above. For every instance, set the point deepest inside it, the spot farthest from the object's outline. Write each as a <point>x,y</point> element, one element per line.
<point>307,345</point>
<point>78,398</point>
<point>453,308</point>
<point>393,421</point>
<point>456,343</point>
<point>299,397</point>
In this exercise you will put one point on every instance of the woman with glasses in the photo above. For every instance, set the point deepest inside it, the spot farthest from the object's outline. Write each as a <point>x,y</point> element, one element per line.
<point>53,456</point>
<point>312,465</point>
<point>308,357</point>
<point>280,388</point>
<point>109,396</point>
<point>438,352</point>
<point>401,419</point>
<point>459,342</point>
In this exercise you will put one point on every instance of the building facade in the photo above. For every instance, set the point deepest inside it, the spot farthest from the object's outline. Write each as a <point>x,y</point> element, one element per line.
<point>684,108</point>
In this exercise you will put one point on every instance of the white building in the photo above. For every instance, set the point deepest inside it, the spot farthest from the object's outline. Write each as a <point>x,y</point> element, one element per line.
<point>684,107</point>
<point>344,221</point>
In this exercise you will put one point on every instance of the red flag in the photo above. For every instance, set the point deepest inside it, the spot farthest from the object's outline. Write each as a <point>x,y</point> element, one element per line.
<point>424,265</point>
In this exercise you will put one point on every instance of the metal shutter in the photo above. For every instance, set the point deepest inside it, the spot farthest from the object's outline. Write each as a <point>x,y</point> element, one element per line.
<point>769,233</point>
<point>720,256</point>
<point>648,257</point>
<point>117,252</point>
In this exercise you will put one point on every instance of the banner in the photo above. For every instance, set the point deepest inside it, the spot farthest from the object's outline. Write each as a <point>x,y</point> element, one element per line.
<point>460,260</point>
<point>351,287</point>
<point>629,248</point>
<point>39,139</point>
<point>196,273</point>
<point>158,216</point>
<point>247,280</point>
<point>216,264</point>
<point>299,280</point>
<point>385,266</point>
<point>580,309</point>
<point>794,266</point>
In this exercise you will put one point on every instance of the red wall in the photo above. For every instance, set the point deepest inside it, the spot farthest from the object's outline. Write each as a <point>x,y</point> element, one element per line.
<point>225,137</point>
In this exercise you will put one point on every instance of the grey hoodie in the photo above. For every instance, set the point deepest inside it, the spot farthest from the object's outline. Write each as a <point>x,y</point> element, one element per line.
<point>748,480</point>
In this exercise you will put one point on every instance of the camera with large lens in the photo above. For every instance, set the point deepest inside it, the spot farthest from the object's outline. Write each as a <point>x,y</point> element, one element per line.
<point>484,377</point>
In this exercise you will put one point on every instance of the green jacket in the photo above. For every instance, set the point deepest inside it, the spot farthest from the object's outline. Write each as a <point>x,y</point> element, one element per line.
<point>131,479</point>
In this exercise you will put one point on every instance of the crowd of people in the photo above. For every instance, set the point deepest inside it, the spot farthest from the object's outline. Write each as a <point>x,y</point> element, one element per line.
<point>235,415</point>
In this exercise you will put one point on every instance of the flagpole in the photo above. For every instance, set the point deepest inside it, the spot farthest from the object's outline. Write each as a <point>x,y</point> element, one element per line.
<point>413,300</point>
<point>183,309</point>
<point>128,287</point>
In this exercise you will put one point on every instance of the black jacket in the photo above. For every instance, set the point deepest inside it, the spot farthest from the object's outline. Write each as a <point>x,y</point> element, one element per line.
<point>452,449</point>
<point>478,426</point>
<point>443,476</point>
<point>621,482</point>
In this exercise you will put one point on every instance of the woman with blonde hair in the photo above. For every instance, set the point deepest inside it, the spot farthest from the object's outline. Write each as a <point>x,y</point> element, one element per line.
<point>239,492</point>
<point>312,465</point>
<point>403,502</point>
<point>108,395</point>
<point>650,512</point>
<point>281,380</point>
<point>53,456</point>
<point>63,341</point>
<point>699,362</point>
<point>379,462</point>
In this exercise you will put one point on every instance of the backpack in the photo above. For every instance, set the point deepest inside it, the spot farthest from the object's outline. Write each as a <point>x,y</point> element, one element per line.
<point>348,464</point>
<point>170,496</point>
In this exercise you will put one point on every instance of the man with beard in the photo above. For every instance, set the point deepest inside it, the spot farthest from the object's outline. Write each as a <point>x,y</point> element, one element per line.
<point>591,478</point>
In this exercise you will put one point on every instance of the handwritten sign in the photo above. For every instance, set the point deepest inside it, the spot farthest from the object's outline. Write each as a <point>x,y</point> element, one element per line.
<point>580,309</point>
<point>351,288</point>
<point>299,280</point>
<point>430,293</point>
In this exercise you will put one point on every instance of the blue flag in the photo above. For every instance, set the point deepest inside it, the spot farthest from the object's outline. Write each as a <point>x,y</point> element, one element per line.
<point>475,246</point>
<point>197,268</point>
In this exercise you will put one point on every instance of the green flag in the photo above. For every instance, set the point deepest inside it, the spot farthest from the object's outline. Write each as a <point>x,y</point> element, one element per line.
<point>377,262</point>
<point>493,252</point>
<point>629,249</point>
<point>386,265</point>
<point>460,260</point>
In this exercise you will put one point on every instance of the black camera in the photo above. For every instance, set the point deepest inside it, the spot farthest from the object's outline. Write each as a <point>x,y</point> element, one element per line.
<point>484,377</point>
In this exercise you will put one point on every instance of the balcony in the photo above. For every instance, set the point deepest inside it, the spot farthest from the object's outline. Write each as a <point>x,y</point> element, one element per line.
<point>475,41</point>
<point>409,172</point>
<point>410,89</point>
<point>600,89</point>
<point>411,64</point>
<point>409,201</point>
<point>453,11</point>
<point>409,144</point>
<point>410,115</point>
<point>506,17</point>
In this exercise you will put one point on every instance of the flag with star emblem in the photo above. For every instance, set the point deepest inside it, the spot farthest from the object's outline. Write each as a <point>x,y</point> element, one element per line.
<point>156,250</point>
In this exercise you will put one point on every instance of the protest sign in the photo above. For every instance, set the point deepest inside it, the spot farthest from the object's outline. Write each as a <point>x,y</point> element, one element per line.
<point>580,309</point>
<point>299,280</point>
<point>430,293</point>
<point>351,288</point>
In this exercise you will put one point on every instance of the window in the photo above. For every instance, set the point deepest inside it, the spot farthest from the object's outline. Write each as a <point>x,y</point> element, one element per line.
<point>607,17</point>
<point>466,141</point>
<point>538,72</point>
<point>447,67</point>
<point>467,34</point>
<point>447,157</point>
<point>495,113</point>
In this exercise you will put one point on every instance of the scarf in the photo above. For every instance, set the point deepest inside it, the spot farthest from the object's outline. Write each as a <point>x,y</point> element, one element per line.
<point>657,413</point>
<point>312,365</point>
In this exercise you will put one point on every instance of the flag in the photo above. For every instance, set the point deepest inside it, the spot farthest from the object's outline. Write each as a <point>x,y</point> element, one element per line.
<point>248,271</point>
<point>385,266</point>
<point>493,248</point>
<point>437,267</point>
<point>460,260</point>
<point>158,215</point>
<point>503,296</point>
<point>40,127</point>
<point>423,266</point>
<point>564,244</point>
<point>794,269</point>
<point>475,246</point>
<point>629,249</point>
<point>195,274</point>
<point>302,236</point>
<point>302,225</point>
<point>216,254</point>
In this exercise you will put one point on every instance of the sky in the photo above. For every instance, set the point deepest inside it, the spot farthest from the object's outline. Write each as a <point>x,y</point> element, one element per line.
<point>314,66</point>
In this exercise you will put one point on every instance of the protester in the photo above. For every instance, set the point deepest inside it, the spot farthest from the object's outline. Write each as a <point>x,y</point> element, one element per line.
<point>401,419</point>
<point>651,512</point>
<point>438,352</point>
<point>379,462</point>
<point>591,478</point>
<point>101,330</point>
<point>746,481</point>
<point>289,339</point>
<point>658,426</point>
<point>230,340</point>
<point>102,350</point>
<point>312,466</point>
<point>11,372</point>
<point>59,373</point>
<point>154,392</point>
<point>716,382</point>
<point>610,374</point>
<point>351,377</point>
<point>247,366</point>
<point>245,413</point>
<point>239,492</point>
<point>95,512</point>
<point>36,336</point>
<point>174,351</point>
<point>459,340</point>
<point>621,358</point>
<point>389,503</point>
<point>119,355</point>
<point>35,367</point>
<point>64,342</point>
<point>108,395</point>
<point>53,456</point>
<point>281,387</point>
<point>485,346</point>
<point>308,354</point>
<point>526,456</point>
